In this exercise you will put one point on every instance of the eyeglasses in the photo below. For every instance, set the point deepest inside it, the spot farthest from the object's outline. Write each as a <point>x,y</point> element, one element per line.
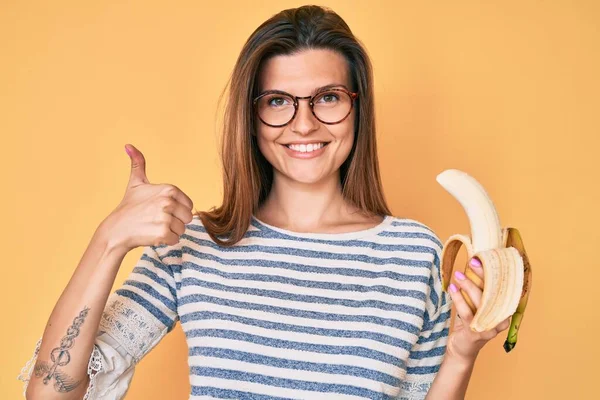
<point>277,108</point>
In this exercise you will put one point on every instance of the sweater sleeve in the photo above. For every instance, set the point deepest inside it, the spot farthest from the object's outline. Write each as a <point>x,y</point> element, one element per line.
<point>136,317</point>
<point>427,353</point>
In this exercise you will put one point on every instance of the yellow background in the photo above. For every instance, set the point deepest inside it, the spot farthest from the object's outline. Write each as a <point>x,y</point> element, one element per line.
<point>505,90</point>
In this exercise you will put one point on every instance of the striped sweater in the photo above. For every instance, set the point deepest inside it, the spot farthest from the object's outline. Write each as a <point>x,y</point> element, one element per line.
<point>286,315</point>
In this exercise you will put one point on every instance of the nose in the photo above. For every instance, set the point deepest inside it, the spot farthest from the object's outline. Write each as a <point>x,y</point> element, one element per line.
<point>304,122</point>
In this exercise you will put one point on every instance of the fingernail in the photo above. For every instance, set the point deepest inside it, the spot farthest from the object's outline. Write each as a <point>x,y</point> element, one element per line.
<point>127,151</point>
<point>475,263</point>
<point>460,275</point>
<point>453,288</point>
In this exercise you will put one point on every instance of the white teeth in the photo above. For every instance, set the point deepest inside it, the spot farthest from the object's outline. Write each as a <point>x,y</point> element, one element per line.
<point>306,148</point>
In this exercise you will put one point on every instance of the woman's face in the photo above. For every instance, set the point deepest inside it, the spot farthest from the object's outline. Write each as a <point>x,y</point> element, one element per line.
<point>303,74</point>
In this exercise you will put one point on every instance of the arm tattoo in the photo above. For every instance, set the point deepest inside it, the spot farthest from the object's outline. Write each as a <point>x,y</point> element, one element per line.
<point>60,357</point>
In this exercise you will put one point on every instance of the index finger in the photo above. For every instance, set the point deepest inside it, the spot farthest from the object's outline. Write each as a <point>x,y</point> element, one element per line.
<point>184,199</point>
<point>179,196</point>
<point>475,266</point>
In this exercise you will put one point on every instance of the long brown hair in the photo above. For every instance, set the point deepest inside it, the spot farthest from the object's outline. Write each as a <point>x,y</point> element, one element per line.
<point>247,175</point>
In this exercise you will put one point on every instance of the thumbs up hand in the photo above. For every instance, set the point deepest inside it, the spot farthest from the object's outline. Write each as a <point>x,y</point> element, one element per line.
<point>149,214</point>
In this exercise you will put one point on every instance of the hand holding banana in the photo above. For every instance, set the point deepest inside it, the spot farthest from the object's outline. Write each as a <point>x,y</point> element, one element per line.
<point>492,293</point>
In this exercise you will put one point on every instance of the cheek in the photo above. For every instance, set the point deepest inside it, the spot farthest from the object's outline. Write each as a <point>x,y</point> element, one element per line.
<point>265,137</point>
<point>344,133</point>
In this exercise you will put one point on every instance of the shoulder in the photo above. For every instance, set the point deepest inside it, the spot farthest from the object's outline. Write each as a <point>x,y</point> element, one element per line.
<point>408,228</point>
<point>414,239</point>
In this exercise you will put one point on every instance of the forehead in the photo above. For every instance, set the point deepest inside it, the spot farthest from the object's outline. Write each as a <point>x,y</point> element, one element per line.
<point>303,72</point>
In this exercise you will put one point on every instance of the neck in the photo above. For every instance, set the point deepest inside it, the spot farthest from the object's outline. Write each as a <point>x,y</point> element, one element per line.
<point>304,207</point>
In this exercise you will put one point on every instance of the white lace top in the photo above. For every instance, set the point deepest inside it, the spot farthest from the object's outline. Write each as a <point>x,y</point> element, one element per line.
<point>284,315</point>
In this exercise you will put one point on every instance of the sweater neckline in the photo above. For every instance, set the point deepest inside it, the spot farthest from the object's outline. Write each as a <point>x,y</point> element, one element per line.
<point>387,220</point>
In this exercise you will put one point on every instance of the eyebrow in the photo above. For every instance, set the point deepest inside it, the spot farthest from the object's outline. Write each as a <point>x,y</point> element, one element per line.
<point>315,90</point>
<point>331,86</point>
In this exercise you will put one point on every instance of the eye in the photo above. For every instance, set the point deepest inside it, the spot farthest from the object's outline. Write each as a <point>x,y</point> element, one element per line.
<point>328,97</point>
<point>278,101</point>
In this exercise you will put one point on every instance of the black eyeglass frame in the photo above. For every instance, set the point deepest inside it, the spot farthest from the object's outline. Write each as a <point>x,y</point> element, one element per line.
<point>353,96</point>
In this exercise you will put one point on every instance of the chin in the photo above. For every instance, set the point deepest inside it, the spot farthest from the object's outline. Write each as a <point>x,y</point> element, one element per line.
<point>307,178</point>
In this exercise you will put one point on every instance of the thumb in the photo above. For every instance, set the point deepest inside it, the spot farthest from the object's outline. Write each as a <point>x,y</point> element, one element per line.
<point>138,166</point>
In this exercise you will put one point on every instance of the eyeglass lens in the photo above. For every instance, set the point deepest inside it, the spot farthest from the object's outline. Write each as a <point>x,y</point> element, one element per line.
<point>329,107</point>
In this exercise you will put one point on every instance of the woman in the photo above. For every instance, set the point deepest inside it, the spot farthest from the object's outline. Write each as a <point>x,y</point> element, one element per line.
<point>301,284</point>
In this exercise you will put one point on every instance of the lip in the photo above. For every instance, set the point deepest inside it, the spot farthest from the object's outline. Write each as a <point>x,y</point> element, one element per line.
<point>308,142</point>
<point>304,156</point>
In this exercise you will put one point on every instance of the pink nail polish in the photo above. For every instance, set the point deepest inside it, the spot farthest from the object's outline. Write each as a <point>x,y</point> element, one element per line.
<point>453,288</point>
<point>475,263</point>
<point>460,275</point>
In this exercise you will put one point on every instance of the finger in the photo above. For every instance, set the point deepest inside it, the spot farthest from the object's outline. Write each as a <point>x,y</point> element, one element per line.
<point>179,211</point>
<point>137,174</point>
<point>462,308</point>
<point>184,199</point>
<point>472,290</point>
<point>170,230</point>
<point>176,193</point>
<point>493,332</point>
<point>502,326</point>
<point>169,238</point>
<point>177,226</point>
<point>476,267</point>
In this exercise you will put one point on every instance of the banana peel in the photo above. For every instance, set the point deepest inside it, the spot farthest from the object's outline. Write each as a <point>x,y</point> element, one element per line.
<point>507,272</point>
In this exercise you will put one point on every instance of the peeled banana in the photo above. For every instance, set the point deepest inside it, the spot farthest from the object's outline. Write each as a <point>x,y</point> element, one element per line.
<point>506,269</point>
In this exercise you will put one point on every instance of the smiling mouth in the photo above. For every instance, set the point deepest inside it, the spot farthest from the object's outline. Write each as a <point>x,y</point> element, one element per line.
<point>306,148</point>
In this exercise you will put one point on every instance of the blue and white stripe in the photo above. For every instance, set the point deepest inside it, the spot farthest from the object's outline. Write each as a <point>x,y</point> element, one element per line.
<point>286,315</point>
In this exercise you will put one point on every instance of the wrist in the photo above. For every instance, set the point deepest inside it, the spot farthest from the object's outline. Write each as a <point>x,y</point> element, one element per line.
<point>459,362</point>
<point>105,237</point>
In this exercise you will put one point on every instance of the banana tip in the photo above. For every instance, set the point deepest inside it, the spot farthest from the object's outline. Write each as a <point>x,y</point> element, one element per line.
<point>509,346</point>
<point>446,174</point>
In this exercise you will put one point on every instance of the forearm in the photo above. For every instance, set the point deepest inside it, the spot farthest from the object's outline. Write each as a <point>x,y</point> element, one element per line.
<point>452,379</point>
<point>60,371</point>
